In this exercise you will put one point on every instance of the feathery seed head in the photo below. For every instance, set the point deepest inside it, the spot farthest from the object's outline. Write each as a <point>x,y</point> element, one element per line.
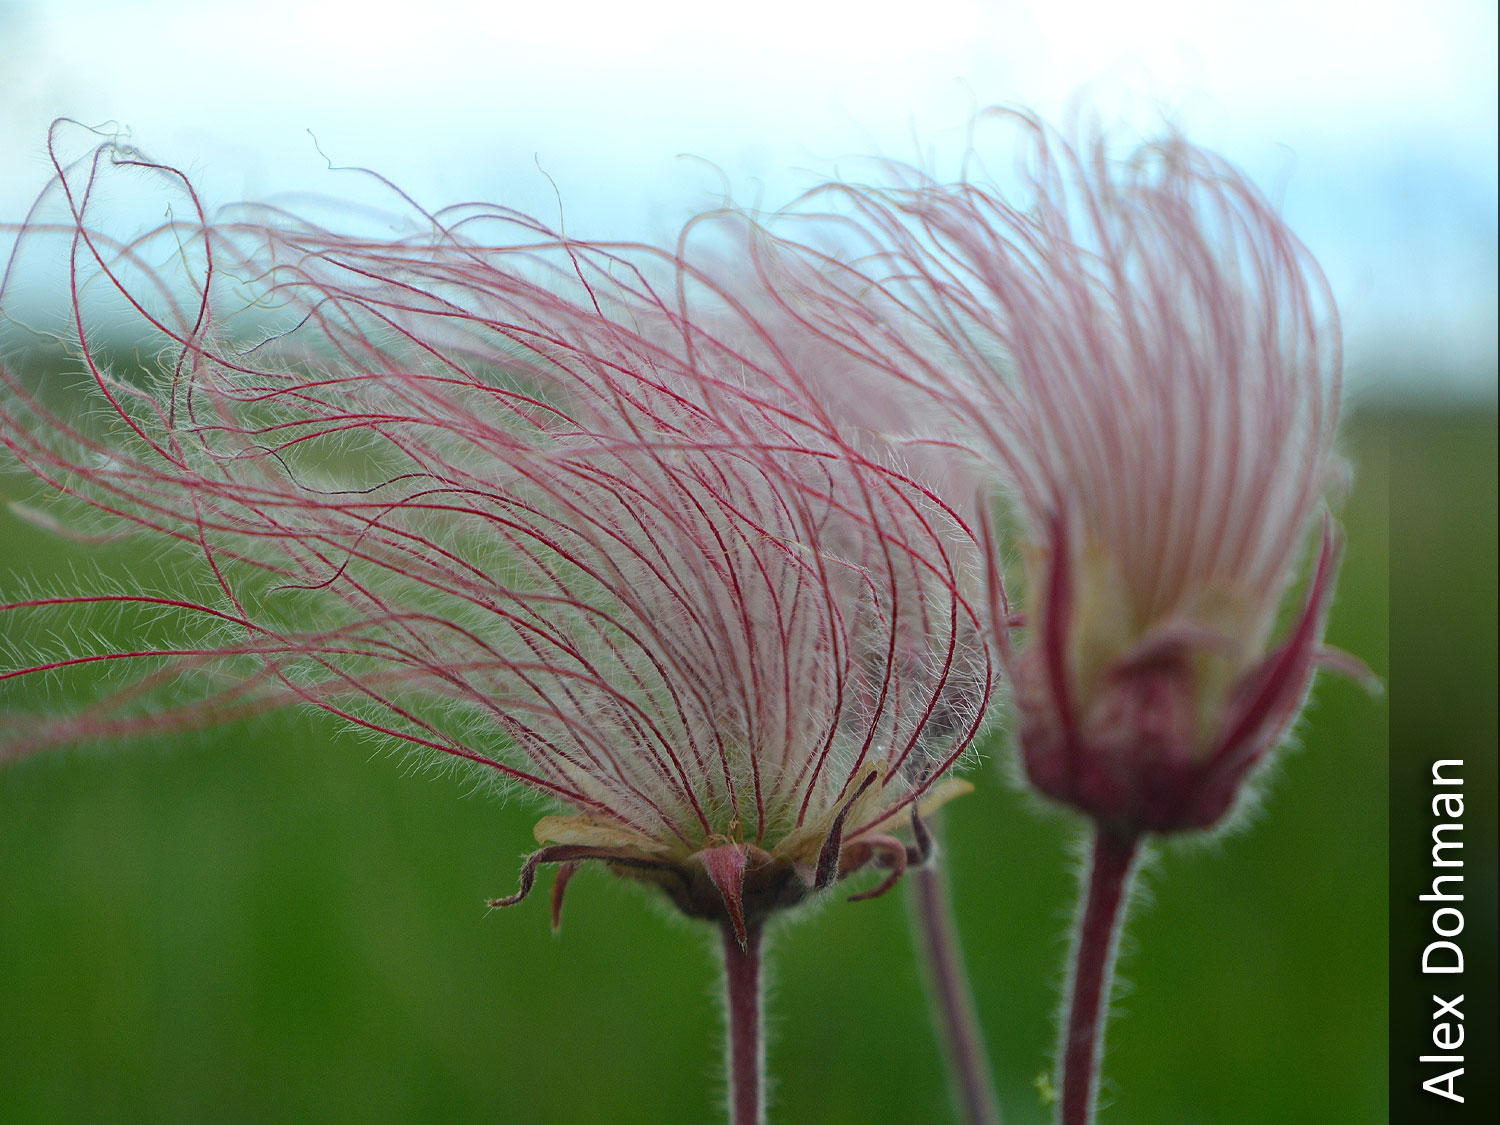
<point>486,492</point>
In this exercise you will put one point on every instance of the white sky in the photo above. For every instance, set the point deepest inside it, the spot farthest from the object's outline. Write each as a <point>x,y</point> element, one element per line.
<point>1374,122</point>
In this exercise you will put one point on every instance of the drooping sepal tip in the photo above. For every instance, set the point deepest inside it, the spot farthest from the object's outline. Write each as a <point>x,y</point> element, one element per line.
<point>726,868</point>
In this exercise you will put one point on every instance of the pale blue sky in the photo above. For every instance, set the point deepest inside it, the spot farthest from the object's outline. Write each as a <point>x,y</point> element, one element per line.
<point>1373,122</point>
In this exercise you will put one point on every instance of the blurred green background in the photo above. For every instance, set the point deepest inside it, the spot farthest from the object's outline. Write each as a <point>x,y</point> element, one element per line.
<point>278,922</point>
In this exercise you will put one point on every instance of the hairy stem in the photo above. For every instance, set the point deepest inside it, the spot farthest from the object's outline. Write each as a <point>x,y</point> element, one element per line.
<point>746,1050</point>
<point>1105,888</point>
<point>951,998</point>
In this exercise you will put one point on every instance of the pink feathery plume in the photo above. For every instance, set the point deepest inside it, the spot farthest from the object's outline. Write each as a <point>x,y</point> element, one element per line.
<point>1150,362</point>
<point>492,493</point>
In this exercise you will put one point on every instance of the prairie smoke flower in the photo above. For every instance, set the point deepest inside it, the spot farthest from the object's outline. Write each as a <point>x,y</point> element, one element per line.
<point>580,542</point>
<point>1150,362</point>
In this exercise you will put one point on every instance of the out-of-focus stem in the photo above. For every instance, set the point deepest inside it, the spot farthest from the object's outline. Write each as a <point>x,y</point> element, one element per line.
<point>1105,889</point>
<point>951,998</point>
<point>746,1051</point>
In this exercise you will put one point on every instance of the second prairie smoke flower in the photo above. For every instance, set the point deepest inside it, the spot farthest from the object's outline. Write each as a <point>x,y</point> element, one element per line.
<point>1150,361</point>
<point>562,538</point>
